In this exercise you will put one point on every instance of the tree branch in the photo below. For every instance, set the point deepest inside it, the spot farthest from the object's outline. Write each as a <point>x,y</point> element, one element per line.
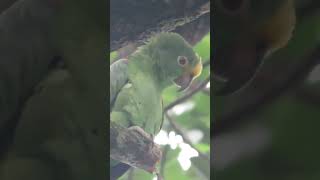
<point>176,128</point>
<point>131,25</point>
<point>199,88</point>
<point>134,146</point>
<point>205,159</point>
<point>188,95</point>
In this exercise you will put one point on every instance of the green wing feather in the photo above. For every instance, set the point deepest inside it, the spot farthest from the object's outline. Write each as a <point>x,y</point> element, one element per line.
<point>118,78</point>
<point>162,114</point>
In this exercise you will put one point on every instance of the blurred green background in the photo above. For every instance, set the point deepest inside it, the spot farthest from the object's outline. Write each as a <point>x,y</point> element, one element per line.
<point>191,120</point>
<point>270,130</point>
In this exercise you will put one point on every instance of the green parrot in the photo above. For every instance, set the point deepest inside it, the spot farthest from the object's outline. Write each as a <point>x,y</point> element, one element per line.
<point>136,84</point>
<point>246,32</point>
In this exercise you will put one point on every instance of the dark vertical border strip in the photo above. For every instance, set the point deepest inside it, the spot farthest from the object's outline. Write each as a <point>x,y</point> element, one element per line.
<point>212,105</point>
<point>108,90</point>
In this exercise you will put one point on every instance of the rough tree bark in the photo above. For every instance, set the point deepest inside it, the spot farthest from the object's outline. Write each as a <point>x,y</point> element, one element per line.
<point>135,21</point>
<point>134,147</point>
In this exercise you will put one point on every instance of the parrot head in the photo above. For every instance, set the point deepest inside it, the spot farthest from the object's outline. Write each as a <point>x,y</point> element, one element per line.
<point>175,60</point>
<point>246,32</point>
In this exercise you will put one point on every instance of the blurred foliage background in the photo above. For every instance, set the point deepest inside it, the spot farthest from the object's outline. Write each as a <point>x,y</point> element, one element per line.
<point>185,135</point>
<point>270,130</point>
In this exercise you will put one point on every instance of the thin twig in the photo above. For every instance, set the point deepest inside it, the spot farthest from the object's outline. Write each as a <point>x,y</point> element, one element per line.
<point>184,137</point>
<point>188,95</point>
<point>205,158</point>
<point>200,87</point>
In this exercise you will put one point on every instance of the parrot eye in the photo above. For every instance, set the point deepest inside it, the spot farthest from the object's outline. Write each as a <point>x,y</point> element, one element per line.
<point>182,60</point>
<point>232,6</point>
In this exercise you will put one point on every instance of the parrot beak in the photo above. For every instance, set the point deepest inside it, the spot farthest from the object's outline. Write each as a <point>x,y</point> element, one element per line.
<point>183,81</point>
<point>188,76</point>
<point>234,67</point>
